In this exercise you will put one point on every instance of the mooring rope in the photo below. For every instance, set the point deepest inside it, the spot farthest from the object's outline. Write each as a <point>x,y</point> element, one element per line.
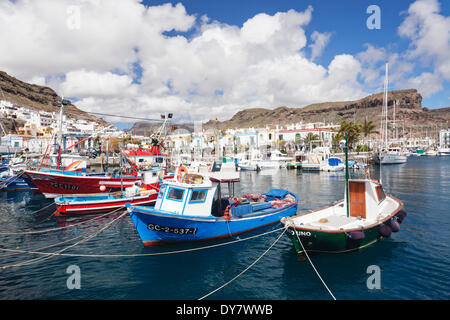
<point>306,253</point>
<point>246,269</point>
<point>138,254</point>
<point>42,248</point>
<point>59,228</point>
<point>10,180</point>
<point>52,203</point>
<point>40,259</point>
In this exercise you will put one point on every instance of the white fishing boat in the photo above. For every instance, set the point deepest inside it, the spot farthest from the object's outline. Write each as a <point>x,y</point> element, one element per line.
<point>393,155</point>
<point>332,164</point>
<point>364,216</point>
<point>388,154</point>
<point>280,158</point>
<point>444,151</point>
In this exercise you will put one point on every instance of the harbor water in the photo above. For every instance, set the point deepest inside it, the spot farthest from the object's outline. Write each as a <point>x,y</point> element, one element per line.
<point>413,262</point>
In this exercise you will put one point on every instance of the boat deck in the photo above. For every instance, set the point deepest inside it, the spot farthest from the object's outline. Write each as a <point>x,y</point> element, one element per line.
<point>335,217</point>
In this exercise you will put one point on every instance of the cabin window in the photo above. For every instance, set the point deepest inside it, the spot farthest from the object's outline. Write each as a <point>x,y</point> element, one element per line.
<point>198,195</point>
<point>380,193</point>
<point>175,194</point>
<point>161,191</point>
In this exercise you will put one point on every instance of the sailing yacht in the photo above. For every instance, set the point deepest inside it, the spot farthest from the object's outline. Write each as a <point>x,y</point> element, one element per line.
<point>388,154</point>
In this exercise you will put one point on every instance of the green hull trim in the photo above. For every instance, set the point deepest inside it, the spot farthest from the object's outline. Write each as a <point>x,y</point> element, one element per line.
<point>332,242</point>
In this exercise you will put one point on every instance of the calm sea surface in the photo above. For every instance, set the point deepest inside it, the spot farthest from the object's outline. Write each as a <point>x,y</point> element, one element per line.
<point>414,262</point>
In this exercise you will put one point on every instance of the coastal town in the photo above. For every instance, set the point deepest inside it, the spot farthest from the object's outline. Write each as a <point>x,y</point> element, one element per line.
<point>197,150</point>
<point>39,128</point>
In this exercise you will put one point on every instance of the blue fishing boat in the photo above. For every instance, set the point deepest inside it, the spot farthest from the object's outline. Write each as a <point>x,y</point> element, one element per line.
<point>16,183</point>
<point>191,208</point>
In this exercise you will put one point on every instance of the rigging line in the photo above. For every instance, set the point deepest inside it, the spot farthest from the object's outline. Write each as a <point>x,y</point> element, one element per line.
<point>306,253</point>
<point>29,251</point>
<point>60,228</point>
<point>127,117</point>
<point>40,259</point>
<point>141,254</point>
<point>246,269</point>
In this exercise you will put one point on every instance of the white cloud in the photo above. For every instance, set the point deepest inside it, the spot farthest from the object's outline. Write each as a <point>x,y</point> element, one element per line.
<point>82,83</point>
<point>429,32</point>
<point>214,71</point>
<point>426,83</point>
<point>320,41</point>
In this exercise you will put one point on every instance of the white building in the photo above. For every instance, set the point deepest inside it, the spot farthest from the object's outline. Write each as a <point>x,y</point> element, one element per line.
<point>444,138</point>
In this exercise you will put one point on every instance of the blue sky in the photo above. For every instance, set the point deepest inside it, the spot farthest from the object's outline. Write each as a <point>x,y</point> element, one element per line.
<point>345,19</point>
<point>144,58</point>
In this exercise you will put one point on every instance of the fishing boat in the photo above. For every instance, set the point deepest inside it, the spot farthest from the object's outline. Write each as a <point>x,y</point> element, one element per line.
<point>57,183</point>
<point>443,151</point>
<point>191,208</point>
<point>388,154</point>
<point>281,159</point>
<point>365,216</point>
<point>141,193</point>
<point>331,165</point>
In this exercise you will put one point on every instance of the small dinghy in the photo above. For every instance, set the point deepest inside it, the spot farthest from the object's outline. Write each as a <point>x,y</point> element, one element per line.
<point>141,193</point>
<point>372,216</point>
<point>191,208</point>
<point>97,204</point>
<point>365,216</point>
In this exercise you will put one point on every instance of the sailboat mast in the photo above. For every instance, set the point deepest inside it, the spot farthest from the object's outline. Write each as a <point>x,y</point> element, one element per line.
<point>386,84</point>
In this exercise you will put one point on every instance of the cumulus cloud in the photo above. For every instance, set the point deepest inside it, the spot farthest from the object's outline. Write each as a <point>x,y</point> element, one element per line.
<point>122,56</point>
<point>320,41</point>
<point>429,32</point>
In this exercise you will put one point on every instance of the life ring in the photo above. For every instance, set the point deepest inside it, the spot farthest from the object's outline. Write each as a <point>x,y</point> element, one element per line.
<point>227,214</point>
<point>235,200</point>
<point>179,170</point>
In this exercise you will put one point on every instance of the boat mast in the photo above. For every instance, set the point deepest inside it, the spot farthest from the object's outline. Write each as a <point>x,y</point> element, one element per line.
<point>346,174</point>
<point>384,114</point>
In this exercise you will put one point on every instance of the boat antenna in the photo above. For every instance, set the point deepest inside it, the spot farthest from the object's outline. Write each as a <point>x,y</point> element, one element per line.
<point>346,174</point>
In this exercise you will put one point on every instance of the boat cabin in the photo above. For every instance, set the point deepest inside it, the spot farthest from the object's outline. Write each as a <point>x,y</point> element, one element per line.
<point>195,195</point>
<point>365,198</point>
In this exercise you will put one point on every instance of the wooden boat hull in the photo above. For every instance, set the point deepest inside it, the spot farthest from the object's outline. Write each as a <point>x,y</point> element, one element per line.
<point>341,241</point>
<point>70,206</point>
<point>156,229</point>
<point>326,242</point>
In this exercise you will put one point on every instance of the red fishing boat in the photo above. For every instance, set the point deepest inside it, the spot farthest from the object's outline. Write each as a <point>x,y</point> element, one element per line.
<point>141,193</point>
<point>57,183</point>
<point>104,203</point>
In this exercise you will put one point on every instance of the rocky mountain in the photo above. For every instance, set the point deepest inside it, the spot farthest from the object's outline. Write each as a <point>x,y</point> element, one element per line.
<point>409,113</point>
<point>38,98</point>
<point>143,128</point>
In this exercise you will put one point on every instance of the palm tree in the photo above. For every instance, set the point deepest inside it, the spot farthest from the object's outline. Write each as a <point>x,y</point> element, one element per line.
<point>310,138</point>
<point>352,130</point>
<point>368,128</point>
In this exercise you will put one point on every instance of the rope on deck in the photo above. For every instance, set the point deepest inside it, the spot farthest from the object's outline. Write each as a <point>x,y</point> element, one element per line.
<point>246,269</point>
